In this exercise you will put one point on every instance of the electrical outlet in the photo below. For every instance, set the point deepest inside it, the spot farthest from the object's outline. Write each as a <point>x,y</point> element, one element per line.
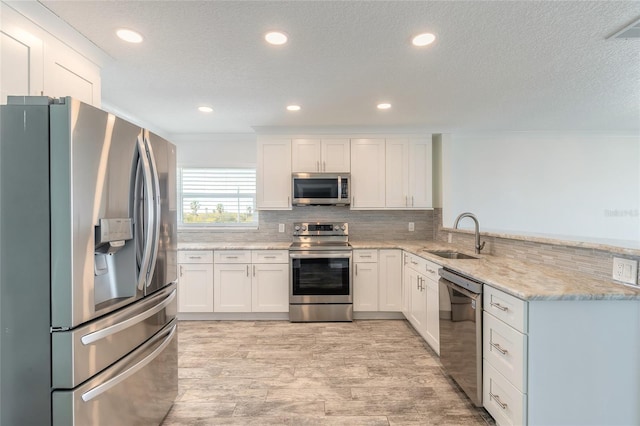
<point>450,238</point>
<point>412,226</point>
<point>625,270</point>
<point>281,227</point>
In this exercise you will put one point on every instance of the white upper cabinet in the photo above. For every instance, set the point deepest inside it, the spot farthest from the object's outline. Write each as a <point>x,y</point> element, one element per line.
<point>409,173</point>
<point>35,63</point>
<point>320,155</point>
<point>274,174</point>
<point>368,173</point>
<point>420,173</point>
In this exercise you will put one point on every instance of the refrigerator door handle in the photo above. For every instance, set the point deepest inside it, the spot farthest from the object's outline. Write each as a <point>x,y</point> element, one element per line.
<point>149,198</point>
<point>156,208</point>
<point>115,328</point>
<point>102,388</point>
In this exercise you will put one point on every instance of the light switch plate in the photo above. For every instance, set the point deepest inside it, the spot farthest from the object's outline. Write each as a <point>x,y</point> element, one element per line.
<point>281,227</point>
<point>625,270</point>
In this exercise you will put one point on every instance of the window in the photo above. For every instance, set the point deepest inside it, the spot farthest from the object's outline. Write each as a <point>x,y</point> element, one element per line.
<point>218,197</point>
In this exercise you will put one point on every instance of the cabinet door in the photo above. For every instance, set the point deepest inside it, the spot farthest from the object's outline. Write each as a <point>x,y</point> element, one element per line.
<point>390,280</point>
<point>433,315</point>
<point>336,155</point>
<point>397,173</point>
<point>21,58</point>
<point>368,173</point>
<point>274,174</point>
<point>232,288</point>
<point>418,313</point>
<point>306,155</point>
<point>195,287</point>
<point>420,173</point>
<point>406,286</point>
<point>365,287</point>
<point>270,288</point>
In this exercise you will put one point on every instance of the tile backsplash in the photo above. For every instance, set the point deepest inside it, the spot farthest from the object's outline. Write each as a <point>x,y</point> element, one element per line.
<point>591,261</point>
<point>370,225</point>
<point>385,225</point>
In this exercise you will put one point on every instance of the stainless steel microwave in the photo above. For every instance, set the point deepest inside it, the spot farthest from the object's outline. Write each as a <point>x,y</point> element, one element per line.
<point>310,189</point>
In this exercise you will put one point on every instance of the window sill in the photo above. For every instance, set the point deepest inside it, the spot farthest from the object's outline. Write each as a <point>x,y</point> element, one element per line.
<point>216,228</point>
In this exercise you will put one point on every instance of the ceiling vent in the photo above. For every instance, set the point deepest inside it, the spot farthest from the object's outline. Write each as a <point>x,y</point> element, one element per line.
<point>630,31</point>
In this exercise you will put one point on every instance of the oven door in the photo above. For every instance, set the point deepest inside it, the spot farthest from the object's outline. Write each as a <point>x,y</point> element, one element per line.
<point>320,277</point>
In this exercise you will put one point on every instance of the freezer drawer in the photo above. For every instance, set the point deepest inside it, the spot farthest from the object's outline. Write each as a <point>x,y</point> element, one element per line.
<point>137,390</point>
<point>80,353</point>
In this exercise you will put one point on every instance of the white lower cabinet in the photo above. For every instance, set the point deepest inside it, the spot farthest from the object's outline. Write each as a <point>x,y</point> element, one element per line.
<point>365,280</point>
<point>390,280</point>
<point>195,281</point>
<point>559,362</point>
<point>420,299</point>
<point>251,281</point>
<point>377,280</point>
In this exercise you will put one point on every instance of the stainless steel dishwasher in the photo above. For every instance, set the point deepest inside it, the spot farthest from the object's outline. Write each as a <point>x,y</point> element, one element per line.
<point>461,331</point>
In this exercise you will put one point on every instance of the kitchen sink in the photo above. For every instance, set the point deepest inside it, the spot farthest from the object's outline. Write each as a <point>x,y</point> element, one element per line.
<point>450,254</point>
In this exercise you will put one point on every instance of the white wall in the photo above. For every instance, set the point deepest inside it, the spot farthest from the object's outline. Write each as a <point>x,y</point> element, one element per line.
<point>216,150</point>
<point>567,186</point>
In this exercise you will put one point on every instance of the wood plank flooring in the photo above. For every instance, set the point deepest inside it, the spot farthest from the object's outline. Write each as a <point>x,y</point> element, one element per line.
<point>280,373</point>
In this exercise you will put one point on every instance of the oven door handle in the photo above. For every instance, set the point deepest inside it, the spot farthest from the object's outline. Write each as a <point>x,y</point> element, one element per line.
<point>320,255</point>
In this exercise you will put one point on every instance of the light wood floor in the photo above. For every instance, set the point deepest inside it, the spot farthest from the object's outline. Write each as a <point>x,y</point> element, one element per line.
<point>281,373</point>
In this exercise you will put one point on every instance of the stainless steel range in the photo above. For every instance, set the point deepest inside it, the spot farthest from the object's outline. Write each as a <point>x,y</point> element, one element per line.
<point>320,280</point>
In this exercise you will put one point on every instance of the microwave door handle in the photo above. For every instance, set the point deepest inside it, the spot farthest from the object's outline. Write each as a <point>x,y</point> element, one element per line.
<point>156,211</point>
<point>148,229</point>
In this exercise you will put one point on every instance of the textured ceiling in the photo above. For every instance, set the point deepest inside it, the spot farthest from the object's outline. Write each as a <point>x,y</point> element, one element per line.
<point>495,65</point>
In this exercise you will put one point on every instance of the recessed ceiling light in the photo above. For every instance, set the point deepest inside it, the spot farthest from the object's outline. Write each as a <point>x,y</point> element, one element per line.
<point>384,106</point>
<point>423,39</point>
<point>276,37</point>
<point>129,35</point>
<point>293,108</point>
<point>205,109</point>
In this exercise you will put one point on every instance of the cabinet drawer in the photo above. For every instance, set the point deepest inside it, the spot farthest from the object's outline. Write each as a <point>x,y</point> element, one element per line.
<point>501,399</point>
<point>431,270</point>
<point>232,256</point>
<point>195,256</point>
<point>506,308</point>
<point>505,349</point>
<point>270,256</point>
<point>364,256</point>
<point>416,263</point>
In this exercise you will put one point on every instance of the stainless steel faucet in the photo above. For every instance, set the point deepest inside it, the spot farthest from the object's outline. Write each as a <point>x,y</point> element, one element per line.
<point>479,246</point>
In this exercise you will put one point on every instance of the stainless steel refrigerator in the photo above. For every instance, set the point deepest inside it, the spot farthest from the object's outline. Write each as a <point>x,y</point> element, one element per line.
<point>88,332</point>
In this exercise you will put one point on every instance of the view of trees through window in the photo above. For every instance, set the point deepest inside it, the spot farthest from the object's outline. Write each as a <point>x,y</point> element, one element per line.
<point>218,197</point>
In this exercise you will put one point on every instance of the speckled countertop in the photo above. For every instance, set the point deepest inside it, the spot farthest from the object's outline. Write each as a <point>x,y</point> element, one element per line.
<point>524,280</point>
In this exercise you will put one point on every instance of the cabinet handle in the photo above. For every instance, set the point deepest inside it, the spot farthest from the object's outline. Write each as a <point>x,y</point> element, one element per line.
<point>317,165</point>
<point>324,166</point>
<point>356,269</point>
<point>365,255</point>
<point>254,270</point>
<point>195,257</point>
<point>247,270</point>
<point>288,201</point>
<point>499,349</point>
<point>412,201</point>
<point>406,201</point>
<point>413,262</point>
<point>180,270</point>
<point>431,271</point>
<point>497,399</point>
<point>269,257</point>
<point>499,306</point>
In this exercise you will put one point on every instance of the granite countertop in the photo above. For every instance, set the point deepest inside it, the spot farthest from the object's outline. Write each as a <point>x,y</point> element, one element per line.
<point>525,280</point>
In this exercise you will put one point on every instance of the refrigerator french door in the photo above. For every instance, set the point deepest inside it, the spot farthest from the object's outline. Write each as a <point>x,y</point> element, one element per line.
<point>87,266</point>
